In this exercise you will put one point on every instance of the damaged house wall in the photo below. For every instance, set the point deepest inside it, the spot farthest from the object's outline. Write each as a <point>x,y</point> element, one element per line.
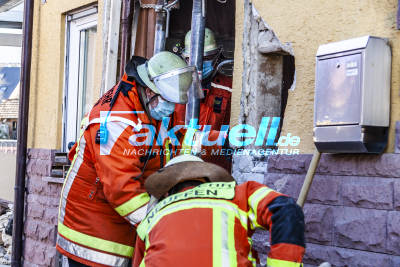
<point>264,91</point>
<point>352,212</point>
<point>268,73</point>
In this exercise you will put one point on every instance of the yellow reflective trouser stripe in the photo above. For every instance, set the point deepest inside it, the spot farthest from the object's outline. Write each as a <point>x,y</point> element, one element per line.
<point>282,263</point>
<point>133,204</point>
<point>146,225</point>
<point>254,199</point>
<point>91,254</point>
<point>95,242</point>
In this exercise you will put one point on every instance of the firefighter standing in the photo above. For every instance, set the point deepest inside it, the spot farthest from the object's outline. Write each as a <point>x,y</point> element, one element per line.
<point>203,218</point>
<point>103,196</point>
<point>215,108</point>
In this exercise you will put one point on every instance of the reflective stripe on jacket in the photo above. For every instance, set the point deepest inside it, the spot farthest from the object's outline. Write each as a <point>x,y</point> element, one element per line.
<point>211,226</point>
<point>101,201</point>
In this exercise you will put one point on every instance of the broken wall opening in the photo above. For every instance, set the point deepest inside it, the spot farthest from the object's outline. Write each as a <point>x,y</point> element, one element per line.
<point>220,18</point>
<point>268,72</point>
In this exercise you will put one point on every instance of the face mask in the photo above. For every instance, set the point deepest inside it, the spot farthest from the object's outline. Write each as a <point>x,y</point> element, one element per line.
<point>163,109</point>
<point>207,68</point>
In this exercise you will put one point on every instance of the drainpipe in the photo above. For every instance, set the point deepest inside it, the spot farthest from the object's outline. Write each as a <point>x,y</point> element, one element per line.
<point>163,11</point>
<point>159,33</point>
<point>125,35</point>
<point>196,55</point>
<point>19,188</point>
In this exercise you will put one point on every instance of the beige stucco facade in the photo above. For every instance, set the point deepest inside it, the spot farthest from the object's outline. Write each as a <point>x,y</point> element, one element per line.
<point>47,76</point>
<point>306,24</point>
<point>303,24</point>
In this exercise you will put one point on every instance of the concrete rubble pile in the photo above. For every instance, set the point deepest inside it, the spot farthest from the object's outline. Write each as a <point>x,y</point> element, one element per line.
<point>6,215</point>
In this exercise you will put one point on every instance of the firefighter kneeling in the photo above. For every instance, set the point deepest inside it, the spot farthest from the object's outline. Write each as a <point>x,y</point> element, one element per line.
<point>198,216</point>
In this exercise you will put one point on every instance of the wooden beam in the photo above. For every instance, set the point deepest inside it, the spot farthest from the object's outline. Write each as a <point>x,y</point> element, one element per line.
<point>112,45</point>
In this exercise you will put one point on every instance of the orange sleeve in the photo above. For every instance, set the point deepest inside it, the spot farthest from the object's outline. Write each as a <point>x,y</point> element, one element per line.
<point>139,252</point>
<point>284,219</point>
<point>117,169</point>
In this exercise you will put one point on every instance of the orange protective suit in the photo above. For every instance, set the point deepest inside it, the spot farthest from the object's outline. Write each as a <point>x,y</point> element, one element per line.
<point>212,224</point>
<point>103,197</point>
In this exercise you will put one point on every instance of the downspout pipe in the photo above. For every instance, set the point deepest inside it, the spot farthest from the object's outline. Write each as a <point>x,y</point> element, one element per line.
<point>19,188</point>
<point>125,34</point>
<point>159,34</point>
<point>196,56</point>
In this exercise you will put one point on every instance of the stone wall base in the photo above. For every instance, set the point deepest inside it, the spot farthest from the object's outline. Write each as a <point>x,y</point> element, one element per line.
<point>352,211</point>
<point>41,208</point>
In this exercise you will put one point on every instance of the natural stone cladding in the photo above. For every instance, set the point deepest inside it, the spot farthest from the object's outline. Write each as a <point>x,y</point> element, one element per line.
<point>41,208</point>
<point>352,211</point>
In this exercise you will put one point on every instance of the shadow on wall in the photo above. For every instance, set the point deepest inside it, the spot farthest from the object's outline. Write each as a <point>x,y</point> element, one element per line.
<point>268,71</point>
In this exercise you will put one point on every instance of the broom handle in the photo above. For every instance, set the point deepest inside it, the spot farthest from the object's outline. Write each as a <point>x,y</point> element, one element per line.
<point>309,178</point>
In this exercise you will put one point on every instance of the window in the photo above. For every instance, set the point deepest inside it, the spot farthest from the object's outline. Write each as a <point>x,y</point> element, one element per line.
<point>81,30</point>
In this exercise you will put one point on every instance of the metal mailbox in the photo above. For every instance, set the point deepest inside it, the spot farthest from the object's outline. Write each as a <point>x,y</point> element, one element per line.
<point>352,96</point>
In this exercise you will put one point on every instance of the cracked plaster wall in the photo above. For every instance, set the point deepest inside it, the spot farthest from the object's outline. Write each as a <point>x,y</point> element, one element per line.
<point>306,24</point>
<point>263,70</point>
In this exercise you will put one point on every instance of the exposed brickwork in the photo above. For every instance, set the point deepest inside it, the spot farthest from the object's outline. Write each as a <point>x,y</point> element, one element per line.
<point>41,210</point>
<point>352,211</point>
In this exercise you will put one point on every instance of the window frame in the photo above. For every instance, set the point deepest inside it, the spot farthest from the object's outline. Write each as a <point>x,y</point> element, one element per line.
<point>75,23</point>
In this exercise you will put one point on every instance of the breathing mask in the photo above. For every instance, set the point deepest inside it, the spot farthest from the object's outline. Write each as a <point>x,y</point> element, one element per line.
<point>208,67</point>
<point>163,109</point>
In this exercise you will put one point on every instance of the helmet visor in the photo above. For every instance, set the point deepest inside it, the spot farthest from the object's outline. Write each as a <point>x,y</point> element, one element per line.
<point>174,85</point>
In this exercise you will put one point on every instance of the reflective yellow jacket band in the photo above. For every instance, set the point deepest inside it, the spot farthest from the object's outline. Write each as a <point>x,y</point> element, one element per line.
<point>253,201</point>
<point>95,242</point>
<point>148,223</point>
<point>133,204</point>
<point>218,190</point>
<point>282,263</point>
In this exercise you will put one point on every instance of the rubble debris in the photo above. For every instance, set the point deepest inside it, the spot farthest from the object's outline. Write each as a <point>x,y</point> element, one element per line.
<point>5,234</point>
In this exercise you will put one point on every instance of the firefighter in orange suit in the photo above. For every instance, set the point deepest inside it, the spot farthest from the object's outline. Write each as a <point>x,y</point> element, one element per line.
<point>103,197</point>
<point>215,108</point>
<point>199,217</point>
